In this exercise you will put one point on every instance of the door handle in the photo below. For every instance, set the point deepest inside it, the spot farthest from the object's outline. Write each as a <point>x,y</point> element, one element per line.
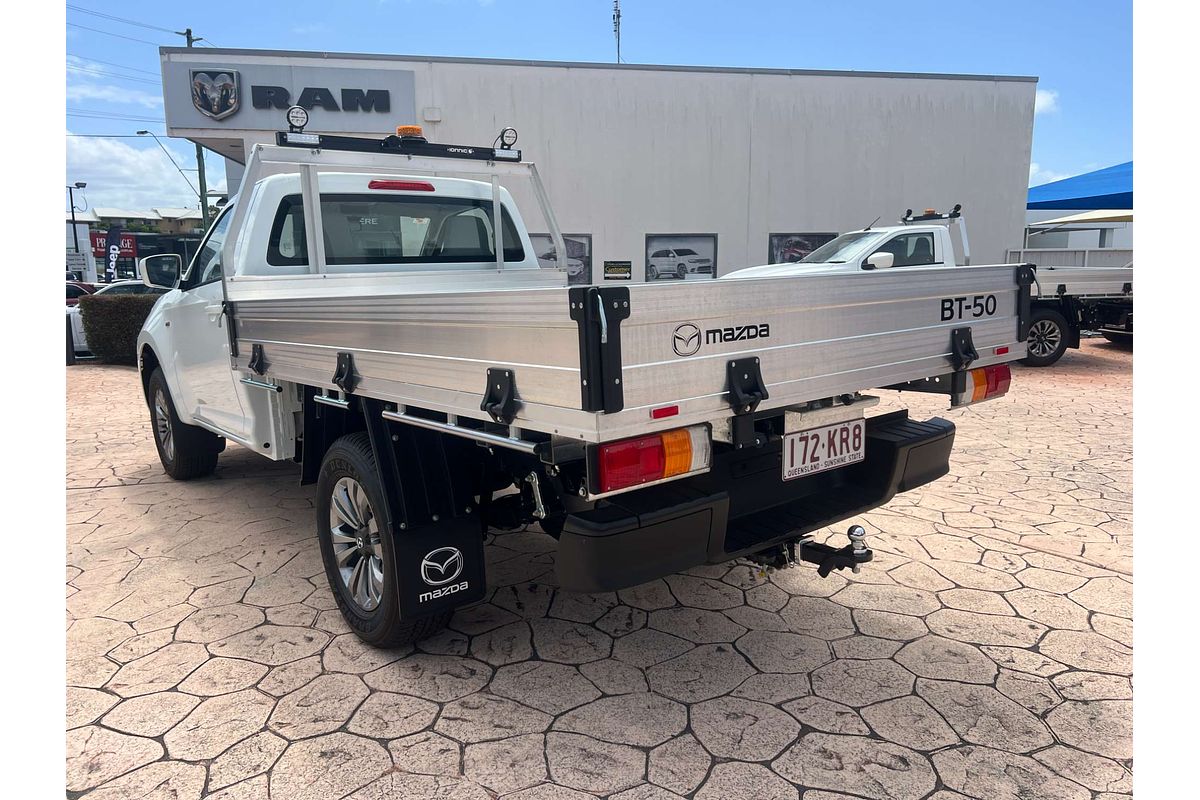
<point>214,312</point>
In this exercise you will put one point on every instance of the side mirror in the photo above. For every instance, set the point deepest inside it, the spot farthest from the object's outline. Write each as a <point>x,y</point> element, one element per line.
<point>879,261</point>
<point>161,271</point>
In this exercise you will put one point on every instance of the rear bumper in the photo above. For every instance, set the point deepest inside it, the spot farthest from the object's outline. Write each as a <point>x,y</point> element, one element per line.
<point>742,506</point>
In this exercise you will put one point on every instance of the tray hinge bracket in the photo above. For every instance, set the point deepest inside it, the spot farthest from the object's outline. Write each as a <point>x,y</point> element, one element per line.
<point>962,349</point>
<point>500,396</point>
<point>599,311</point>
<point>344,376</point>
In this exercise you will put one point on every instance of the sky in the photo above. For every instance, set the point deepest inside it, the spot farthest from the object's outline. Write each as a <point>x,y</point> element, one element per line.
<point>1081,52</point>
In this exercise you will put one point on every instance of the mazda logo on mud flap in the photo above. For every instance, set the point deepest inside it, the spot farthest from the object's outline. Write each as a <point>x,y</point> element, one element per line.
<point>441,566</point>
<point>686,339</point>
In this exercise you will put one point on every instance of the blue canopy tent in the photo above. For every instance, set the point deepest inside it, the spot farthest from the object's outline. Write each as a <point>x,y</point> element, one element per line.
<point>1108,188</point>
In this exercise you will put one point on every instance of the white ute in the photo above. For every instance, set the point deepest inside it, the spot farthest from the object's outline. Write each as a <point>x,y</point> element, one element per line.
<point>1067,299</point>
<point>360,313</point>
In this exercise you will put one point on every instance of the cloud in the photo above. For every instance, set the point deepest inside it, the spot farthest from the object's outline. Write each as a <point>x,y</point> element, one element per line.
<point>1038,176</point>
<point>133,174</point>
<point>113,94</point>
<point>1045,101</point>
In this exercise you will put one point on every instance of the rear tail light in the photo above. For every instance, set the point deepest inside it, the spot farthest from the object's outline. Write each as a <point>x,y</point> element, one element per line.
<point>671,454</point>
<point>984,383</point>
<point>401,186</point>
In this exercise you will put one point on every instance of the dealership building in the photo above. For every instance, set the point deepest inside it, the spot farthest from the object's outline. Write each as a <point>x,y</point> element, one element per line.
<point>657,164</point>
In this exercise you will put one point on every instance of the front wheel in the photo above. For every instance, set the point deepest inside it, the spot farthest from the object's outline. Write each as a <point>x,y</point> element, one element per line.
<point>70,344</point>
<point>356,548</point>
<point>1047,338</point>
<point>681,271</point>
<point>186,451</point>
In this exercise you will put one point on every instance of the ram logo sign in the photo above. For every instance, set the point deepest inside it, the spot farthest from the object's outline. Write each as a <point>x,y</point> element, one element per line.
<point>215,92</point>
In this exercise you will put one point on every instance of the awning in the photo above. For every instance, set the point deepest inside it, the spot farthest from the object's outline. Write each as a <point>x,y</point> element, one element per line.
<point>1111,187</point>
<point>1100,215</point>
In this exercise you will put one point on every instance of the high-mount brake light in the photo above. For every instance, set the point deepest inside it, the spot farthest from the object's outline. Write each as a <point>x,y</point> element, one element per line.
<point>401,186</point>
<point>659,456</point>
<point>984,383</point>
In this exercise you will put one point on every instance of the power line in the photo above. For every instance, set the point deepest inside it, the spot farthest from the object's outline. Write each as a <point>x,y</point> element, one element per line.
<point>90,114</point>
<point>119,19</point>
<point>103,135</point>
<point>75,68</point>
<point>111,64</point>
<point>110,33</point>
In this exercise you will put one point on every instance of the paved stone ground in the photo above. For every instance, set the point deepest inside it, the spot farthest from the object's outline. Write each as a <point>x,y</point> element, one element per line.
<point>985,653</point>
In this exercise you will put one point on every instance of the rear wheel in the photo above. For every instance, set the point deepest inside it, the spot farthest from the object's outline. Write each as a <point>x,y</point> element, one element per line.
<point>651,272</point>
<point>1047,338</point>
<point>356,547</point>
<point>186,451</point>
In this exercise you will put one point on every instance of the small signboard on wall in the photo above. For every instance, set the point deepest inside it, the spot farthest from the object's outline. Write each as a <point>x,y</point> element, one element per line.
<point>618,270</point>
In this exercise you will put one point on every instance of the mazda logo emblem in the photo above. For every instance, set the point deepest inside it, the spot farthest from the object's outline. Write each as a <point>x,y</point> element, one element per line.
<point>441,566</point>
<point>686,340</point>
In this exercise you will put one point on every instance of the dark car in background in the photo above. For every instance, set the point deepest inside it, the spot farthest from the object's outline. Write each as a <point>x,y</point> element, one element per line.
<point>76,290</point>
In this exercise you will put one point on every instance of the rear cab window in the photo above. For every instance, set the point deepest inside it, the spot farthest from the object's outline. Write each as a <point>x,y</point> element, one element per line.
<point>395,229</point>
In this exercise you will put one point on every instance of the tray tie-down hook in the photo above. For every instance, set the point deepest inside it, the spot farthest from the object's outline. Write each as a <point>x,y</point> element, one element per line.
<point>258,362</point>
<point>962,349</point>
<point>344,376</point>
<point>500,396</point>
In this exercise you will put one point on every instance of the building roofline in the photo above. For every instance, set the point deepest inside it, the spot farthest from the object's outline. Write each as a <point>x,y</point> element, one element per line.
<point>313,54</point>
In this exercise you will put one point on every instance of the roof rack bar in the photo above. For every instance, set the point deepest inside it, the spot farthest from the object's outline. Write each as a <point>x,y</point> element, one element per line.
<point>397,145</point>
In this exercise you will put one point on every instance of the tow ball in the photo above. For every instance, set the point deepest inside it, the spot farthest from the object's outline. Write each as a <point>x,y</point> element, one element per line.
<point>827,558</point>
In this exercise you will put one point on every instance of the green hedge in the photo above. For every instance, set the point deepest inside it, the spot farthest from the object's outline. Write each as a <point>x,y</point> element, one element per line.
<point>112,323</point>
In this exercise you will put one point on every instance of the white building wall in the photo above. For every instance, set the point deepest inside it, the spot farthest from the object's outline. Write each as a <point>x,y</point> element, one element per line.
<point>626,152</point>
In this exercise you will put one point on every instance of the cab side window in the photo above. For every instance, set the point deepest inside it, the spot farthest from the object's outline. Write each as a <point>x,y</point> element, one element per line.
<point>207,266</point>
<point>909,249</point>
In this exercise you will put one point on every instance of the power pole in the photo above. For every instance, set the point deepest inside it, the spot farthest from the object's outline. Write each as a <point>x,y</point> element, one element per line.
<point>617,26</point>
<point>191,40</point>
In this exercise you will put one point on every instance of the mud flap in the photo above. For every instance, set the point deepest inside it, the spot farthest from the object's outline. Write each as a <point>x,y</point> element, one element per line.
<point>439,566</point>
<point>431,482</point>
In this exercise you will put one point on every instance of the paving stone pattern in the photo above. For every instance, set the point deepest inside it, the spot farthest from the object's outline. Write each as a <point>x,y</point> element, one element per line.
<point>986,652</point>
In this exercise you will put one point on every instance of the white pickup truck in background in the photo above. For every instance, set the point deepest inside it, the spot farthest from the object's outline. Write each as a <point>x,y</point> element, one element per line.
<point>359,312</point>
<point>1067,299</point>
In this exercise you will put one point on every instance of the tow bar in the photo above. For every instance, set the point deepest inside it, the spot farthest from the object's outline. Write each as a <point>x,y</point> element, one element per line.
<point>827,558</point>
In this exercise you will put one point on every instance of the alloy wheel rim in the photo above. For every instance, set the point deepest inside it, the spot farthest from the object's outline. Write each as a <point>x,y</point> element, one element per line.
<point>162,425</point>
<point>357,550</point>
<point>1044,338</point>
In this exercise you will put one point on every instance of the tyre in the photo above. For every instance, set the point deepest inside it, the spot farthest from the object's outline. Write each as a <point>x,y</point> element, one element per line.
<point>651,272</point>
<point>70,344</point>
<point>1047,338</point>
<point>357,551</point>
<point>681,271</point>
<point>1119,338</point>
<point>186,451</point>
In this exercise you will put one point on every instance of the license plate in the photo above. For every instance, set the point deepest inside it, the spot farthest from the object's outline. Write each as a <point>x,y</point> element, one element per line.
<point>820,449</point>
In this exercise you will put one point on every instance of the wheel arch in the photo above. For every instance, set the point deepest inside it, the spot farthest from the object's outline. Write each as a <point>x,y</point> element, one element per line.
<point>147,363</point>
